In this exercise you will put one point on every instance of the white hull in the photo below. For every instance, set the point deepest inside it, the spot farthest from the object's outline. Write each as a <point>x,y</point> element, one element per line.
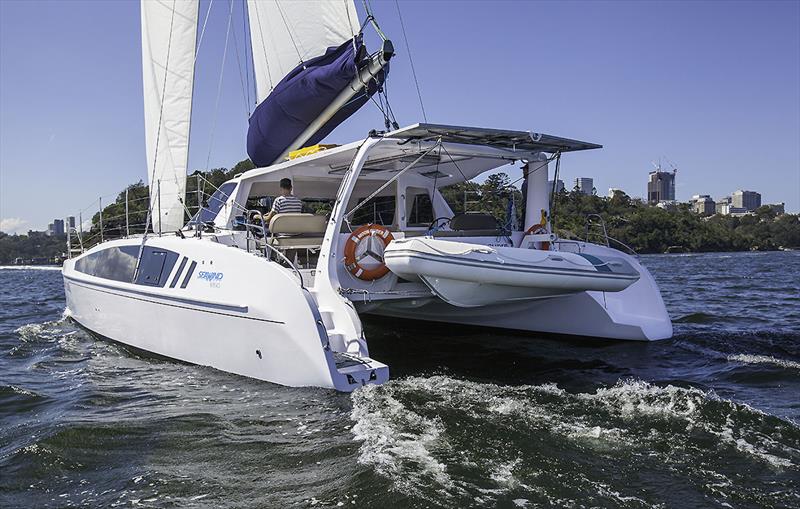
<point>224,300</point>
<point>256,308</point>
<point>636,313</point>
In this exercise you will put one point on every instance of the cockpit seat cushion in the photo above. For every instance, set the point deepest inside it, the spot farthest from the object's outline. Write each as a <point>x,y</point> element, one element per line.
<point>473,221</point>
<point>297,231</point>
<point>297,224</point>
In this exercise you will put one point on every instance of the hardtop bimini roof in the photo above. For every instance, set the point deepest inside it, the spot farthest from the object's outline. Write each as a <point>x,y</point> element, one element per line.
<point>515,140</point>
<point>467,152</point>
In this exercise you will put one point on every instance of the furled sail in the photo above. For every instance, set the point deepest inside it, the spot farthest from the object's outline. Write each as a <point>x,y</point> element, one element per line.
<point>285,33</point>
<point>169,32</point>
<point>306,57</point>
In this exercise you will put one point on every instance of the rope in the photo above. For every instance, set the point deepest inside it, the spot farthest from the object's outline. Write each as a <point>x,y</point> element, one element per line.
<point>264,48</point>
<point>411,60</point>
<point>372,20</point>
<point>158,138</point>
<point>219,88</point>
<point>289,31</point>
<point>248,59</point>
<point>245,97</point>
<point>203,31</point>
<point>553,198</point>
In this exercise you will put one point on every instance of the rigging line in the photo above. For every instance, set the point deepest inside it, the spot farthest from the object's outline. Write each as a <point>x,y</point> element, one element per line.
<point>158,134</point>
<point>246,56</point>
<point>239,67</point>
<point>411,60</point>
<point>263,48</point>
<point>226,195</point>
<point>372,20</point>
<point>554,195</point>
<point>289,31</point>
<point>203,31</point>
<point>544,163</point>
<point>219,88</point>
<point>454,162</point>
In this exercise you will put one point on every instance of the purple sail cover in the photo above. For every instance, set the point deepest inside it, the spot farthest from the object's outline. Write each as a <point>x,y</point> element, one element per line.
<point>302,96</point>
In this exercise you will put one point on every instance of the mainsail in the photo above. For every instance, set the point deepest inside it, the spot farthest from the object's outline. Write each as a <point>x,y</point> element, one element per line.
<point>312,72</point>
<point>169,31</point>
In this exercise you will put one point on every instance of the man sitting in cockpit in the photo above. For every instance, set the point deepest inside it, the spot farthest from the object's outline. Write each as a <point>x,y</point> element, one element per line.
<point>285,203</point>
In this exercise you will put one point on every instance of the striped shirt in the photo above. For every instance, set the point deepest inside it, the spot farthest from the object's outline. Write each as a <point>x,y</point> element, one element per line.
<point>287,204</point>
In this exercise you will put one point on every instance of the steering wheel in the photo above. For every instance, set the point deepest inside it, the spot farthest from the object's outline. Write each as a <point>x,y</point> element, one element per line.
<point>437,223</point>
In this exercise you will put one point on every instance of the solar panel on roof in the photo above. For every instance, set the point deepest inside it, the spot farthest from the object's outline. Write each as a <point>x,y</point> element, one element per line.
<point>514,140</point>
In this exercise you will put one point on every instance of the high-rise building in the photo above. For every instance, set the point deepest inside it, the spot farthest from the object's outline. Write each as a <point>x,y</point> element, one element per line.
<point>722,205</point>
<point>584,185</point>
<point>661,186</point>
<point>70,222</point>
<point>703,204</point>
<point>559,185</point>
<point>58,227</point>
<point>748,200</point>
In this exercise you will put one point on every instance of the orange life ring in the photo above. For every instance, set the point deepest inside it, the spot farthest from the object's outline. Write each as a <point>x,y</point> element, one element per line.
<point>368,241</point>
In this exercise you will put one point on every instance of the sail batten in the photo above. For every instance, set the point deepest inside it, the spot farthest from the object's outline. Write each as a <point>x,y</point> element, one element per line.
<point>169,32</point>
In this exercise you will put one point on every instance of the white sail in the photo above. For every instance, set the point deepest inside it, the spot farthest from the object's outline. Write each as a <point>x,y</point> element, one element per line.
<point>284,33</point>
<point>169,32</point>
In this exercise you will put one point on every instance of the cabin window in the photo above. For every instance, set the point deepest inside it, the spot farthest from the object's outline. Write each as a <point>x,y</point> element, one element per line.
<point>212,206</point>
<point>115,263</point>
<point>420,210</point>
<point>378,210</point>
<point>155,267</point>
<point>119,264</point>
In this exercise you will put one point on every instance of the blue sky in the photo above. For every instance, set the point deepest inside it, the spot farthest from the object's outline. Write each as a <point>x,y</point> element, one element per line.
<point>712,86</point>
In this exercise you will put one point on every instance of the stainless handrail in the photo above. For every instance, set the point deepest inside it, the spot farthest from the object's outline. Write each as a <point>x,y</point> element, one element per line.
<point>600,222</point>
<point>267,245</point>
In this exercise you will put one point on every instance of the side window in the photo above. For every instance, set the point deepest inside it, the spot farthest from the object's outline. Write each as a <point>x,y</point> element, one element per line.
<point>379,210</point>
<point>420,212</point>
<point>155,267</point>
<point>212,206</point>
<point>115,263</point>
<point>119,264</point>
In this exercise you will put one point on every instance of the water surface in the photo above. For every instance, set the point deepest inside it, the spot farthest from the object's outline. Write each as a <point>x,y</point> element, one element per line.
<point>472,417</point>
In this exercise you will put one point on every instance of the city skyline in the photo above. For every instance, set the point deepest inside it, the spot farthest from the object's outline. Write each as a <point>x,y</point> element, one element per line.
<point>647,97</point>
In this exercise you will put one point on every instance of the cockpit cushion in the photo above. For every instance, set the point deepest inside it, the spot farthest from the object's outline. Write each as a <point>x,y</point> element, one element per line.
<point>295,224</point>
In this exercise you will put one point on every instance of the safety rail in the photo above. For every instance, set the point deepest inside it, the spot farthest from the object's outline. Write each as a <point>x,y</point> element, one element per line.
<point>250,236</point>
<point>596,225</point>
<point>111,227</point>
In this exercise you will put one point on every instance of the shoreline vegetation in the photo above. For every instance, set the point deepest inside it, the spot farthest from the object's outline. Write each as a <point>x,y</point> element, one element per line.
<point>632,222</point>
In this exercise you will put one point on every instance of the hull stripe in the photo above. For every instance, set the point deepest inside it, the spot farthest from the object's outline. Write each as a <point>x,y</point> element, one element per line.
<point>188,274</point>
<point>92,286</point>
<point>178,273</point>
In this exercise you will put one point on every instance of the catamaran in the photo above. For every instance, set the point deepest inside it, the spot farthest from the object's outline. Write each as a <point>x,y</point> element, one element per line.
<point>281,299</point>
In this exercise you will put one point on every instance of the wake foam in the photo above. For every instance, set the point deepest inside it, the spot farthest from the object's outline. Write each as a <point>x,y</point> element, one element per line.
<point>441,438</point>
<point>764,359</point>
